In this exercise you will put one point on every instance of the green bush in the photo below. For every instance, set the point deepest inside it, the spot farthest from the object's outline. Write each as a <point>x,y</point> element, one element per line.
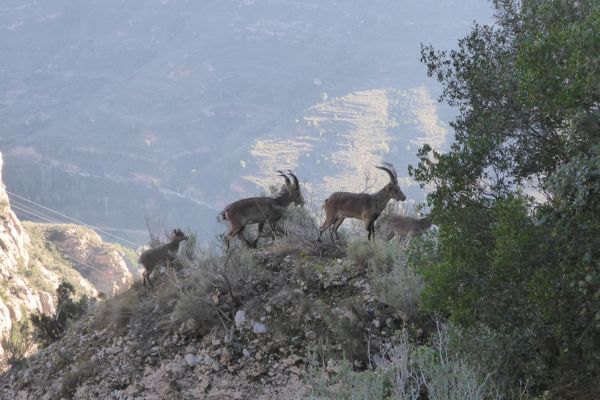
<point>516,194</point>
<point>17,343</point>
<point>50,328</point>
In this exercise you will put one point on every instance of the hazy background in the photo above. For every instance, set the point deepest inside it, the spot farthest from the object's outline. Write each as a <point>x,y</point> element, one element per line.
<point>113,111</point>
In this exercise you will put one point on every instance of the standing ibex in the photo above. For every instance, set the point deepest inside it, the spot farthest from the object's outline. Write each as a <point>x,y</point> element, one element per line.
<point>261,210</point>
<point>162,254</point>
<point>403,226</point>
<point>363,206</point>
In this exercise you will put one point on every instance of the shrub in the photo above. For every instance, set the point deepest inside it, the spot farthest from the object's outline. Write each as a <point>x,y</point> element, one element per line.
<point>300,232</point>
<point>400,288</point>
<point>50,328</point>
<point>375,255</point>
<point>217,288</point>
<point>17,343</point>
<point>404,371</point>
<point>78,374</point>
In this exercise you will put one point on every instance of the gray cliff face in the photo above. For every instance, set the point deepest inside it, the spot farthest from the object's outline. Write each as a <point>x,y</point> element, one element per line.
<point>17,295</point>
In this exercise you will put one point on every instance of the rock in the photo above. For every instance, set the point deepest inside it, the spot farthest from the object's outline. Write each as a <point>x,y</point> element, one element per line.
<point>240,318</point>
<point>225,356</point>
<point>259,328</point>
<point>310,335</point>
<point>191,360</point>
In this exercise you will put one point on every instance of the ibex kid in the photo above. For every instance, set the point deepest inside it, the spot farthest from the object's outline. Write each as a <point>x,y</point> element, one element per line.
<point>163,254</point>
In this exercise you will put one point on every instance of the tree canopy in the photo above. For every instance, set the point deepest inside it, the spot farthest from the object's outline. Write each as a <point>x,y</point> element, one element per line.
<point>517,196</point>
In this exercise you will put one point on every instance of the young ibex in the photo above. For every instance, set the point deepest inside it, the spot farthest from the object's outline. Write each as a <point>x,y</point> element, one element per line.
<point>363,206</point>
<point>162,254</point>
<point>408,227</point>
<point>260,210</point>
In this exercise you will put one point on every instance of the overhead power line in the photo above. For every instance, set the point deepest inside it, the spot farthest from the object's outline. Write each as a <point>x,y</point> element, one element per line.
<point>73,219</point>
<point>51,221</point>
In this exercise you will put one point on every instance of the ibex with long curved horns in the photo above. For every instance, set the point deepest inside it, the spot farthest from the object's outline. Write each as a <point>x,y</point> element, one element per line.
<point>261,210</point>
<point>363,206</point>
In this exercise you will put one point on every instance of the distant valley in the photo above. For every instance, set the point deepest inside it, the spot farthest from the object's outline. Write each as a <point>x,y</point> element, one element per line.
<point>168,110</point>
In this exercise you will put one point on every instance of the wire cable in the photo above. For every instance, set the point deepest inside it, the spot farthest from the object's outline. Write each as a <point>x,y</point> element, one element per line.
<point>73,261</point>
<point>73,219</point>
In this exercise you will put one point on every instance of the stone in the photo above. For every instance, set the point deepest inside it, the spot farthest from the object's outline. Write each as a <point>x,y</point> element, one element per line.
<point>191,360</point>
<point>259,328</point>
<point>240,318</point>
<point>310,335</point>
<point>225,356</point>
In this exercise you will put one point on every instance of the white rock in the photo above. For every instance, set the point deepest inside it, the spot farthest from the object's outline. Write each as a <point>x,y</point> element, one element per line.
<point>240,318</point>
<point>260,328</point>
<point>191,360</point>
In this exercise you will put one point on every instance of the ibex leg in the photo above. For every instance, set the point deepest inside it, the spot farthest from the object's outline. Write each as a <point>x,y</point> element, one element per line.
<point>326,224</point>
<point>336,226</point>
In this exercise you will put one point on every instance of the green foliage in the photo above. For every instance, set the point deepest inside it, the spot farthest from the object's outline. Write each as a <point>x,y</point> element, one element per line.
<point>523,267</point>
<point>17,343</point>
<point>50,328</point>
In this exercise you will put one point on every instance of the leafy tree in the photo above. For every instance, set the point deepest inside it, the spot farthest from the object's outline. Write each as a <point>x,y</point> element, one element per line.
<point>517,194</point>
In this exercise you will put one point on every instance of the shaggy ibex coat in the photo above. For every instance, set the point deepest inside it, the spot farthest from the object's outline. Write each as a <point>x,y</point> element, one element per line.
<point>164,254</point>
<point>260,210</point>
<point>363,206</point>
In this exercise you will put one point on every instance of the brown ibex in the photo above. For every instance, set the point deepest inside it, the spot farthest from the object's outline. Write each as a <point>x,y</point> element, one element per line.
<point>363,206</point>
<point>162,254</point>
<point>403,226</point>
<point>260,210</point>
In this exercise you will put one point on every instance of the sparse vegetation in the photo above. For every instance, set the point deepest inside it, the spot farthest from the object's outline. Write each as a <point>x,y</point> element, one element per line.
<point>17,343</point>
<point>50,328</point>
<point>375,255</point>
<point>403,371</point>
<point>72,379</point>
<point>399,288</point>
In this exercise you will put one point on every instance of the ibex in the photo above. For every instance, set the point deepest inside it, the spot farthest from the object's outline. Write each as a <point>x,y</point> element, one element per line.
<point>403,226</point>
<point>162,254</point>
<point>363,206</point>
<point>260,210</point>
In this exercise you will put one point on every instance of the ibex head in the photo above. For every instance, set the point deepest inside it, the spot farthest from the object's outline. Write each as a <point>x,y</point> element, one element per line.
<point>392,188</point>
<point>178,236</point>
<point>295,192</point>
<point>292,188</point>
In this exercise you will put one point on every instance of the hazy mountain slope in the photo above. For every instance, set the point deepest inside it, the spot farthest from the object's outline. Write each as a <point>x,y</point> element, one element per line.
<point>147,108</point>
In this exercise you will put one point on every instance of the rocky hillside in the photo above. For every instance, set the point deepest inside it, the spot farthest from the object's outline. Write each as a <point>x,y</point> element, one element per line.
<point>36,258</point>
<point>249,325</point>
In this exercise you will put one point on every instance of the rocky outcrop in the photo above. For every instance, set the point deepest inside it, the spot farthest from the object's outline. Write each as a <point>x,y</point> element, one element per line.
<point>100,263</point>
